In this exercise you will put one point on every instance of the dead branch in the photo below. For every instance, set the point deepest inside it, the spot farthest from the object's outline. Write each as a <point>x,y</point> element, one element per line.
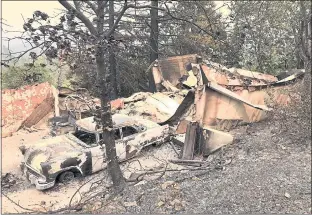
<point>20,206</point>
<point>80,16</point>
<point>190,22</point>
<point>192,176</point>
<point>187,161</point>
<point>78,190</point>
<point>124,9</point>
<point>174,148</point>
<point>92,6</point>
<point>163,173</point>
<point>23,53</point>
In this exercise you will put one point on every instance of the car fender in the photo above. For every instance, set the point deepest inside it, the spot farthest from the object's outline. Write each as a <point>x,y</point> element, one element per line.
<point>74,169</point>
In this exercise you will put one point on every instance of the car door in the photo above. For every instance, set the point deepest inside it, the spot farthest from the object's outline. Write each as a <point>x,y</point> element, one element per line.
<point>135,138</point>
<point>98,158</point>
<point>91,143</point>
<point>150,136</point>
<point>98,152</point>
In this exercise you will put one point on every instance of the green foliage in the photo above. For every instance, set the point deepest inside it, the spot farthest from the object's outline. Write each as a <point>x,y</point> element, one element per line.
<point>18,76</point>
<point>263,36</point>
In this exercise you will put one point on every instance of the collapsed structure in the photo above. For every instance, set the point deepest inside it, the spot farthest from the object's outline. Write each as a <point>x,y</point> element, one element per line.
<point>200,100</point>
<point>218,98</point>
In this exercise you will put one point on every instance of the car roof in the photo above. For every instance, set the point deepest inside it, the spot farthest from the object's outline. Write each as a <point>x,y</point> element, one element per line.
<point>119,120</point>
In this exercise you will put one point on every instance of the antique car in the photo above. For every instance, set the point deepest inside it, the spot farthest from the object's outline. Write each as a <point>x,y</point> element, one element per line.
<point>78,153</point>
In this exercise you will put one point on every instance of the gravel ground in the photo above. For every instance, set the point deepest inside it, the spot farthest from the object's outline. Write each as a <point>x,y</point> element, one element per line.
<point>262,172</point>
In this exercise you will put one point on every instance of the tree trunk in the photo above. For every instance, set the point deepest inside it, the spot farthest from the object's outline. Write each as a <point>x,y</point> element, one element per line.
<point>153,42</point>
<point>107,123</point>
<point>112,57</point>
<point>105,114</point>
<point>300,62</point>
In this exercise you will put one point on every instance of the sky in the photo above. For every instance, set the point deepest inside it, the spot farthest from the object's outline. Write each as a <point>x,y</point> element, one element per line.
<point>12,12</point>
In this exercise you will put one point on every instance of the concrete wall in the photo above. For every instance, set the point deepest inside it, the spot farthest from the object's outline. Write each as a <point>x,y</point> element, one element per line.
<point>18,104</point>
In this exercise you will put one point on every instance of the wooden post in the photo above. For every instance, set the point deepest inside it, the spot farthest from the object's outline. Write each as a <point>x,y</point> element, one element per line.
<point>190,140</point>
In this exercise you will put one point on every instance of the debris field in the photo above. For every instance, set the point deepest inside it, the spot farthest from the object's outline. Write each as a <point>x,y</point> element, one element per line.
<point>205,105</point>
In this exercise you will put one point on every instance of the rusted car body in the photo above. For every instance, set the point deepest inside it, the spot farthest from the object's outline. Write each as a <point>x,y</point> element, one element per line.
<point>63,157</point>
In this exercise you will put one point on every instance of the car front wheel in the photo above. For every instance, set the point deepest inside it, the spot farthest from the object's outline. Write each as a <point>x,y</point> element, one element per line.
<point>66,177</point>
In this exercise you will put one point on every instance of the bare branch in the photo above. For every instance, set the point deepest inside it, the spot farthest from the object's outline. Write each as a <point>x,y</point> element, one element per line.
<point>23,53</point>
<point>124,9</point>
<point>112,30</point>
<point>104,4</point>
<point>80,16</point>
<point>17,204</point>
<point>145,6</point>
<point>77,5</point>
<point>185,20</point>
<point>92,6</point>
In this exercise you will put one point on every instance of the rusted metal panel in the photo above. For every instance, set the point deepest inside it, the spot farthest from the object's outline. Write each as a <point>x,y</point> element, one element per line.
<point>256,75</point>
<point>39,112</point>
<point>215,103</point>
<point>215,76</point>
<point>18,105</point>
<point>214,139</point>
<point>181,110</point>
<point>212,105</point>
<point>117,104</point>
<point>172,68</point>
<point>182,126</point>
<point>236,77</point>
<point>257,98</point>
<point>224,97</point>
<point>234,96</point>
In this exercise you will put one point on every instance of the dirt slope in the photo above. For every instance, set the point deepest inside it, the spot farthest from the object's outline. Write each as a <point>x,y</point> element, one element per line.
<point>257,174</point>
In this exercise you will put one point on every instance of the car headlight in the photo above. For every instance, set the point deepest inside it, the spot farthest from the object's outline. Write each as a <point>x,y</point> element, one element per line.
<point>42,181</point>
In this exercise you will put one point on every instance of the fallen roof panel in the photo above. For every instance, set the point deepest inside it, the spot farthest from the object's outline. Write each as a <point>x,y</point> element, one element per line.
<point>233,95</point>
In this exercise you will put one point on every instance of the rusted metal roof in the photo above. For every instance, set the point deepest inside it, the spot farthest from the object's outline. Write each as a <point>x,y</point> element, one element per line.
<point>172,68</point>
<point>233,95</point>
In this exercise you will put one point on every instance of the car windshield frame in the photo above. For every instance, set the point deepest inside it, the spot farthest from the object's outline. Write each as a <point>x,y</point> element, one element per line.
<point>138,128</point>
<point>80,142</point>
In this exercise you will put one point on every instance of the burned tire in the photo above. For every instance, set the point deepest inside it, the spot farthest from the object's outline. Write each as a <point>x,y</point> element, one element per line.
<point>66,177</point>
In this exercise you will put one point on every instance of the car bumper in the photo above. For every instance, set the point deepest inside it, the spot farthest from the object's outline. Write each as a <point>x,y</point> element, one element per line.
<point>40,185</point>
<point>39,182</point>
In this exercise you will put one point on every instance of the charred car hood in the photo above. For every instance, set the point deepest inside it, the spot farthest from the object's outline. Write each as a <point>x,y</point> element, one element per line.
<point>52,150</point>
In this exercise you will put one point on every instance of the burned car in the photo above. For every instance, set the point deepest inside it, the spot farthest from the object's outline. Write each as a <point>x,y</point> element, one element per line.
<point>79,153</point>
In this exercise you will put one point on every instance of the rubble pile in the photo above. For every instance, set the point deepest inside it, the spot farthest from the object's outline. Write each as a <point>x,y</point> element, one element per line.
<point>157,107</point>
<point>222,99</point>
<point>8,180</point>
